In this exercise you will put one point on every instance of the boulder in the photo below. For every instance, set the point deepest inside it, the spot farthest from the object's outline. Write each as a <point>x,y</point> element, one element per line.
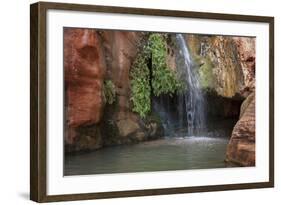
<point>87,138</point>
<point>140,136</point>
<point>127,127</point>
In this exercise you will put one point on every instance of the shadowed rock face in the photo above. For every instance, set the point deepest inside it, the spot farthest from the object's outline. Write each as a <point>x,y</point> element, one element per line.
<point>241,148</point>
<point>121,49</point>
<point>84,67</point>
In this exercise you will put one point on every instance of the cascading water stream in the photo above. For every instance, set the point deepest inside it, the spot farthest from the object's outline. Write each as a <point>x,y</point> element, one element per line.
<point>184,113</point>
<point>192,98</point>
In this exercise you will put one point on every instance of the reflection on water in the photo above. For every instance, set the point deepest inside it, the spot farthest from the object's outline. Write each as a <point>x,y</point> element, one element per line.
<point>159,155</point>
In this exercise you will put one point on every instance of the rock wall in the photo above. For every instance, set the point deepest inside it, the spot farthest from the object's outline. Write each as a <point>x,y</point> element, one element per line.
<point>121,125</point>
<point>246,49</point>
<point>226,64</point>
<point>121,50</point>
<point>90,58</point>
<point>241,147</point>
<point>84,67</point>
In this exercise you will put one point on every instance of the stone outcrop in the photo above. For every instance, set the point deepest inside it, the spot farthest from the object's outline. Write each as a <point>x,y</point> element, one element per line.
<point>226,64</point>
<point>121,49</point>
<point>90,58</point>
<point>84,67</point>
<point>246,49</point>
<point>125,126</point>
<point>241,147</point>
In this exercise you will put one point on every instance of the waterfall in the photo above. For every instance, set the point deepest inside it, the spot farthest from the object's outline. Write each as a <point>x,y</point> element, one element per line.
<point>161,106</point>
<point>190,102</point>
<point>182,114</point>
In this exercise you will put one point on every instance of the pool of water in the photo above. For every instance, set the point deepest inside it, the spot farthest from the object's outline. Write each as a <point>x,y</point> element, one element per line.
<point>174,153</point>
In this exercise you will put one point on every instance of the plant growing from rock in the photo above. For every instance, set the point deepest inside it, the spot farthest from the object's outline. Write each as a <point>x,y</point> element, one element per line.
<point>109,92</point>
<point>162,81</point>
<point>140,86</point>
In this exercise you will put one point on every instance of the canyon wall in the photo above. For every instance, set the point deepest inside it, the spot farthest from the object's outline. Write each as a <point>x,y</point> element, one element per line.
<point>95,59</point>
<point>226,64</point>
<point>241,148</point>
<point>122,125</point>
<point>84,70</point>
<point>92,57</point>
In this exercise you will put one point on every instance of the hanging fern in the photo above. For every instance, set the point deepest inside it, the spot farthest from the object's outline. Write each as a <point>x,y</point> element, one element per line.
<point>164,79</point>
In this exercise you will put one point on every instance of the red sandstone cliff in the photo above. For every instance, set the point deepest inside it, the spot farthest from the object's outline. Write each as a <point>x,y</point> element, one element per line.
<point>241,147</point>
<point>84,68</point>
<point>90,58</point>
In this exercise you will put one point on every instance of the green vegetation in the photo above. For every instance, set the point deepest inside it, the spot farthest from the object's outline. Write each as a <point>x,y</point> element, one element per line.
<point>140,86</point>
<point>163,81</point>
<point>206,75</point>
<point>109,92</point>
